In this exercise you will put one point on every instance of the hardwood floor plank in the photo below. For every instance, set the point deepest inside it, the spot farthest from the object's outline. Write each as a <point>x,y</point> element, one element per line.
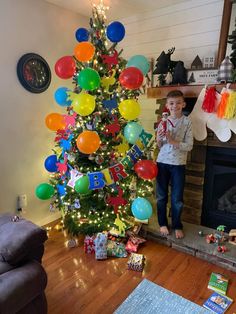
<point>77,283</point>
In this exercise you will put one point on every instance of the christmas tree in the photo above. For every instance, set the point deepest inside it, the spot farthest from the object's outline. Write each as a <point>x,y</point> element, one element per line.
<point>100,175</point>
<point>232,41</point>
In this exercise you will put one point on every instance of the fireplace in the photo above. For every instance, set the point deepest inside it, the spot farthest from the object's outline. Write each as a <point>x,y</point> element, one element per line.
<point>219,194</point>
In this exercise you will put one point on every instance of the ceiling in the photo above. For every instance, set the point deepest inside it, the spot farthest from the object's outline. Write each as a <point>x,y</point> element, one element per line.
<point>118,8</point>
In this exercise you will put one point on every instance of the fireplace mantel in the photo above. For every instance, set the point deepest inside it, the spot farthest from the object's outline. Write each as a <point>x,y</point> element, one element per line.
<point>188,90</point>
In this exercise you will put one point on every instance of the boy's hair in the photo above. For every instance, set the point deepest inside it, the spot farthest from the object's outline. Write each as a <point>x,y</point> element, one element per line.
<point>175,93</point>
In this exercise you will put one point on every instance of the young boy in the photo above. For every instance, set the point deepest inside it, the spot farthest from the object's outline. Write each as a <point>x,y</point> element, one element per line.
<point>174,141</point>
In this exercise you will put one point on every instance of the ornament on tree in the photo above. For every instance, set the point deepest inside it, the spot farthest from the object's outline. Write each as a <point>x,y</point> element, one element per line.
<point>114,127</point>
<point>111,59</point>
<point>110,104</point>
<point>71,158</point>
<point>99,160</point>
<point>117,200</point>
<point>52,207</point>
<point>106,82</point>
<point>121,225</point>
<point>70,120</point>
<point>77,203</point>
<point>61,134</point>
<point>62,166</point>
<point>123,147</point>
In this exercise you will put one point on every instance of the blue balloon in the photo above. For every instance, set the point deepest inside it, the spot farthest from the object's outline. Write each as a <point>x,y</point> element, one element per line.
<point>141,208</point>
<point>60,96</point>
<point>115,32</point>
<point>139,62</point>
<point>132,131</point>
<point>82,34</point>
<point>50,163</point>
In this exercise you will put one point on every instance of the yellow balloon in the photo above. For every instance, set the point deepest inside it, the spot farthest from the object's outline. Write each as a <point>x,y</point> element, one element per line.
<point>129,109</point>
<point>83,104</point>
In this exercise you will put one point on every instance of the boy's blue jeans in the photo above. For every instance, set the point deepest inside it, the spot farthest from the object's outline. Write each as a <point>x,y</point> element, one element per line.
<point>175,176</point>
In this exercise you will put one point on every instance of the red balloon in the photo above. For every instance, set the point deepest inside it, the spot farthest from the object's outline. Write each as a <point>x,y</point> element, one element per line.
<point>146,169</point>
<point>65,67</point>
<point>131,78</point>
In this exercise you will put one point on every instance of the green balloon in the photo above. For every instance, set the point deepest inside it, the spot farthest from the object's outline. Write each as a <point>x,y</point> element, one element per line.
<point>44,191</point>
<point>82,185</point>
<point>89,79</point>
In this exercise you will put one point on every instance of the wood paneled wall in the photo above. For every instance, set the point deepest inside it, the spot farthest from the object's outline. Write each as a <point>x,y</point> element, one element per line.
<point>192,27</point>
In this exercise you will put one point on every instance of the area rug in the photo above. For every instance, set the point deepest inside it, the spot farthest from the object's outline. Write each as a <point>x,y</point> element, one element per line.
<point>149,298</point>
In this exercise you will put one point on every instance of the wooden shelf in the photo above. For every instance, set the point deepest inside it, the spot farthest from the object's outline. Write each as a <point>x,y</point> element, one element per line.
<point>187,90</point>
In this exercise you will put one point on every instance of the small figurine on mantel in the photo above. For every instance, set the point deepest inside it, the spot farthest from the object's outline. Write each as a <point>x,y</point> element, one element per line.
<point>196,64</point>
<point>225,71</point>
<point>209,62</point>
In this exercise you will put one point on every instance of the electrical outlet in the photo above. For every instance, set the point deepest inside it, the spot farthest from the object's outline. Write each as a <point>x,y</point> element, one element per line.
<point>22,201</point>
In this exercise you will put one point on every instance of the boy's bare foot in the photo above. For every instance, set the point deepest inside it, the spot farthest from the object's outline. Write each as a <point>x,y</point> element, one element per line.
<point>164,231</point>
<point>179,234</point>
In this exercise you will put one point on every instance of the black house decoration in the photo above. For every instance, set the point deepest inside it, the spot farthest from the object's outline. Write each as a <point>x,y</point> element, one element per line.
<point>196,64</point>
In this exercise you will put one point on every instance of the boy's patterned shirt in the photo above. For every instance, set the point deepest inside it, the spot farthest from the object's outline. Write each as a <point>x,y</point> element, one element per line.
<point>180,131</point>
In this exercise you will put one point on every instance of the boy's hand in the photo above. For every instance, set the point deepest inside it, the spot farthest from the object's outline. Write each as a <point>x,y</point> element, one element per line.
<point>170,139</point>
<point>160,134</point>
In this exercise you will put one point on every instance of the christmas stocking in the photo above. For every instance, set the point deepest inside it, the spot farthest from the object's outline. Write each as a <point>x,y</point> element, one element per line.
<point>219,126</point>
<point>199,118</point>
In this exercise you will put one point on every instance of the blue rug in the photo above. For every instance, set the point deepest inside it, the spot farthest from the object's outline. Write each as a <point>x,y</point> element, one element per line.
<point>150,298</point>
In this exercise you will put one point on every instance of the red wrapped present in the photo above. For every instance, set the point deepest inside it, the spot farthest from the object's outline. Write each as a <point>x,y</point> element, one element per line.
<point>89,246</point>
<point>131,247</point>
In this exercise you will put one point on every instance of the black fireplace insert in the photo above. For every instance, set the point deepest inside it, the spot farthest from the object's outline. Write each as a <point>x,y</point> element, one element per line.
<point>219,196</point>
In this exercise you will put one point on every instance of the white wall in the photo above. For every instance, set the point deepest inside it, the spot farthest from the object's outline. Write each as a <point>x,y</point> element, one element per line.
<point>29,26</point>
<point>36,26</point>
<point>192,27</point>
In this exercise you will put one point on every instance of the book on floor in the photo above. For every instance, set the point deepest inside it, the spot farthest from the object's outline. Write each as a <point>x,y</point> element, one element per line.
<point>218,283</point>
<point>217,303</point>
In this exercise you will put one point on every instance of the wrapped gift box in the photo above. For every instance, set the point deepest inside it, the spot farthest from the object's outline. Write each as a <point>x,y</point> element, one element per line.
<point>131,247</point>
<point>101,246</point>
<point>136,262</point>
<point>89,246</point>
<point>116,249</point>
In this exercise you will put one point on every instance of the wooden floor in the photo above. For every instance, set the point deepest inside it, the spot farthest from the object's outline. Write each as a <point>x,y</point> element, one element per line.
<point>77,283</point>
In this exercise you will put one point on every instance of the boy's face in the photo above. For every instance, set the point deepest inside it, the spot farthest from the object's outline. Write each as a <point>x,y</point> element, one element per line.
<point>175,106</point>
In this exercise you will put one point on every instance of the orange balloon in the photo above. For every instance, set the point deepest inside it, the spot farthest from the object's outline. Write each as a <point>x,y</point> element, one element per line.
<point>88,142</point>
<point>55,121</point>
<point>84,51</point>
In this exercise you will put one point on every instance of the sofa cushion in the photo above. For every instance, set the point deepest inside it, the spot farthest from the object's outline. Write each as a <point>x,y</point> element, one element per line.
<point>21,286</point>
<point>4,218</point>
<point>5,267</point>
<point>18,239</point>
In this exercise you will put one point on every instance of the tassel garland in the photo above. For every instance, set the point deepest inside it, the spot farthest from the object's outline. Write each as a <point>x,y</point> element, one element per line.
<point>208,104</point>
<point>222,105</point>
<point>230,109</point>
